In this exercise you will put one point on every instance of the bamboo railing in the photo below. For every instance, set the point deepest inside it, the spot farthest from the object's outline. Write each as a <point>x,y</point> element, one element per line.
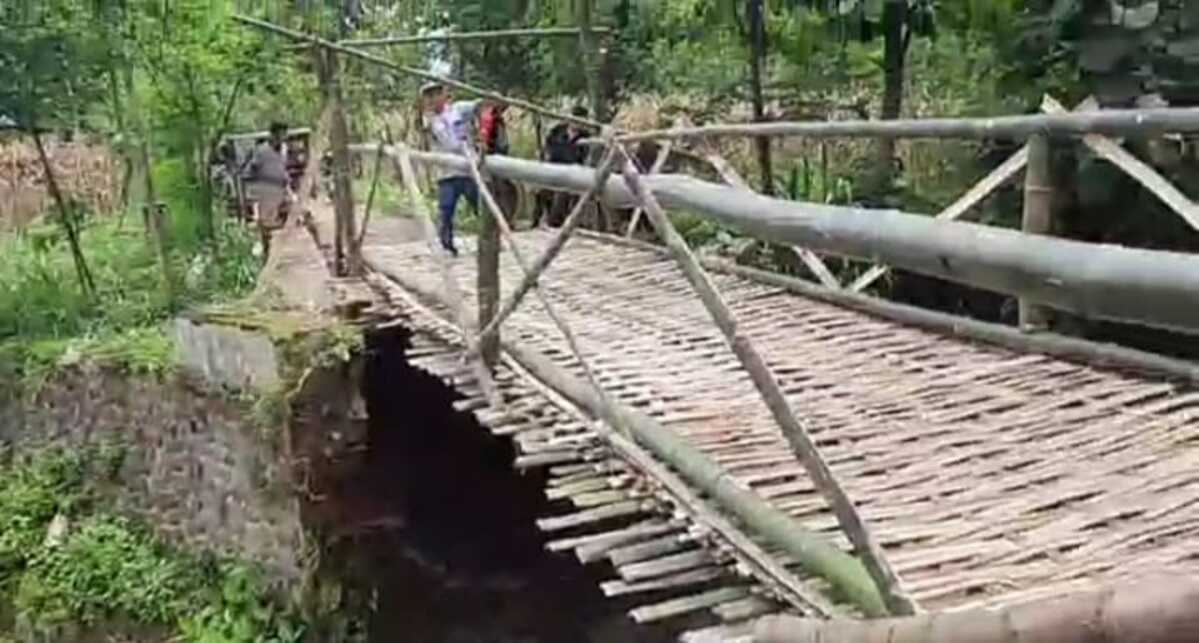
<point>1140,286</point>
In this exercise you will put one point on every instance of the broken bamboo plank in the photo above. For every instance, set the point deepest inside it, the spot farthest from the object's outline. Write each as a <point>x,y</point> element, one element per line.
<point>665,565</point>
<point>673,581</point>
<point>683,605</point>
<point>797,434</point>
<point>650,549</point>
<point>587,516</point>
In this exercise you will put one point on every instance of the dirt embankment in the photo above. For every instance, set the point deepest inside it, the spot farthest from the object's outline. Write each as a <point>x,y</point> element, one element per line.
<point>87,173</point>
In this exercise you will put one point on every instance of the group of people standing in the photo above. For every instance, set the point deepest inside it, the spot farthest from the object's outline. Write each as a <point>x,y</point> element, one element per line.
<point>455,126</point>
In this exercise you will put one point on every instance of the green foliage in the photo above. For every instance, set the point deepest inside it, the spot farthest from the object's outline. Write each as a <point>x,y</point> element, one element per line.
<point>105,569</point>
<point>108,569</point>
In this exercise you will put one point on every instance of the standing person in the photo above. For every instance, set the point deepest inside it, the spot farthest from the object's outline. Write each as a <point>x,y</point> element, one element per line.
<point>493,139</point>
<point>269,183</point>
<point>451,125</point>
<point>561,146</point>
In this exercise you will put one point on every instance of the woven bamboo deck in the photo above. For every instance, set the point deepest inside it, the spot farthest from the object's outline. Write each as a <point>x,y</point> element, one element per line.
<point>990,477</point>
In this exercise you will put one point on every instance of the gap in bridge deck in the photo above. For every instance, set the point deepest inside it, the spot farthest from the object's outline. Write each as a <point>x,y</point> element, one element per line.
<point>442,527</point>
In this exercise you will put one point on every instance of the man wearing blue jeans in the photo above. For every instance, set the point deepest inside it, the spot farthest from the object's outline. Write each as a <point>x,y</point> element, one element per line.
<point>451,125</point>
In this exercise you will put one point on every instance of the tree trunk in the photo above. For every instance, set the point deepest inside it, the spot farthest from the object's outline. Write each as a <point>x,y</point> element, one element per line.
<point>757,49</point>
<point>1165,610</point>
<point>86,283</point>
<point>591,61</point>
<point>894,18</point>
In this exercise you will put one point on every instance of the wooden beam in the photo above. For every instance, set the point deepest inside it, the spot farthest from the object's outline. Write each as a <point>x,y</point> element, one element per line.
<point>414,72</point>
<point>797,434</point>
<point>1122,122</point>
<point>552,32</point>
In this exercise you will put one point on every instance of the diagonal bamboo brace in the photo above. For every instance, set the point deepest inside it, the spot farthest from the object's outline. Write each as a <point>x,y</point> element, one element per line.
<point>547,256</point>
<point>796,433</point>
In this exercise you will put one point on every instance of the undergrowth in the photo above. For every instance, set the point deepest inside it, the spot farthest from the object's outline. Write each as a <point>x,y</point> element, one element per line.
<point>103,568</point>
<point>46,320</point>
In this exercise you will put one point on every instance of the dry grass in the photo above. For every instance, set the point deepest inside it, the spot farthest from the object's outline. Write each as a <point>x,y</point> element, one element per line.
<point>86,172</point>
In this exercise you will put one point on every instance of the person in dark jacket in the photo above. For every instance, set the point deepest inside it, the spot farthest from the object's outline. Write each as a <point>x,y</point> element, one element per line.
<point>561,146</point>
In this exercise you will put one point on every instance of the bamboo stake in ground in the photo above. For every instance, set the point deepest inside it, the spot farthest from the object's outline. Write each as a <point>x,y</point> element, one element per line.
<point>795,432</point>
<point>370,201</point>
<point>487,261</point>
<point>551,251</point>
<point>1164,610</point>
<point>453,293</point>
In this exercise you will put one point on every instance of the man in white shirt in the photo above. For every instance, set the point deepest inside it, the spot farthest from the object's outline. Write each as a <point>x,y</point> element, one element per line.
<point>452,127</point>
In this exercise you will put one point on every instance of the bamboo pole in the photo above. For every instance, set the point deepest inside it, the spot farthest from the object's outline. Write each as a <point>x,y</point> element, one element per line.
<point>551,32</point>
<point>370,201</point>
<point>1136,168</point>
<point>487,273</point>
<point>500,222</point>
<point>412,71</point>
<point>797,435</point>
<point>1037,218</point>
<point>453,294</point>
<point>1123,122</point>
<point>815,553</point>
<point>1132,285</point>
<point>548,255</point>
<point>1156,610</point>
<point>663,154</point>
<point>347,262</point>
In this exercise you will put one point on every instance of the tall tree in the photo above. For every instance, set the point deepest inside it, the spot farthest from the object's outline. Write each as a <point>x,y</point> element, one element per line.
<point>756,12</point>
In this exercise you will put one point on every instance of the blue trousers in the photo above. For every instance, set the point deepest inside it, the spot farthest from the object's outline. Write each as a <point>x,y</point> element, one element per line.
<point>448,191</point>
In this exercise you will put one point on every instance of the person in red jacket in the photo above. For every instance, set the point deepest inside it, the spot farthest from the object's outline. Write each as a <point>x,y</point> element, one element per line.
<point>493,130</point>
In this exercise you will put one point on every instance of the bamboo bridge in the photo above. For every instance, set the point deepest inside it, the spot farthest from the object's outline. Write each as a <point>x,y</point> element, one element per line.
<point>739,443</point>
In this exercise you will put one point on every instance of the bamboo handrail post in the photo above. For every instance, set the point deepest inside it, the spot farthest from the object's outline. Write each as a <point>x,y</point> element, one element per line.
<point>404,166</point>
<point>797,435</point>
<point>487,261</point>
<point>551,251</point>
<point>1036,219</point>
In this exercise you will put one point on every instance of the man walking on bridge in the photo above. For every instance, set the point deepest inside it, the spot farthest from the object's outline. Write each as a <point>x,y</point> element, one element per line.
<point>451,125</point>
